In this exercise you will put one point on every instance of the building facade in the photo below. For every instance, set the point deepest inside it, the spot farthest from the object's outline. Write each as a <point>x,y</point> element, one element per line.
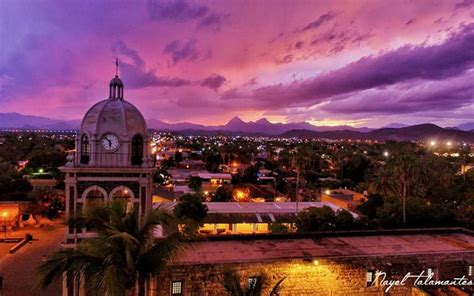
<point>112,158</point>
<point>343,263</point>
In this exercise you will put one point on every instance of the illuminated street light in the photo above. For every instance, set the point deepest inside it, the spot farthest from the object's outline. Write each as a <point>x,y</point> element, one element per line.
<point>327,192</point>
<point>386,154</point>
<point>449,144</point>
<point>40,171</point>
<point>432,143</point>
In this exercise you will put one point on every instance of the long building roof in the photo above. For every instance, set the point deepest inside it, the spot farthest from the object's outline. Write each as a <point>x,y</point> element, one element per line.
<point>259,248</point>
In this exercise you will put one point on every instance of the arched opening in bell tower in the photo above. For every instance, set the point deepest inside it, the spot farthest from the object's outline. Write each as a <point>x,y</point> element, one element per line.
<point>85,149</point>
<point>125,194</point>
<point>137,150</point>
<point>94,198</point>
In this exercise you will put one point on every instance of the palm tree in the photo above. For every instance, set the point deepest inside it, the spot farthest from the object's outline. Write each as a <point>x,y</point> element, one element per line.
<point>122,257</point>
<point>255,287</point>
<point>383,182</point>
<point>300,160</point>
<point>407,171</point>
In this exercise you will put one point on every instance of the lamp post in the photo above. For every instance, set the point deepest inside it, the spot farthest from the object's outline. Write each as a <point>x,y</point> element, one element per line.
<point>4,214</point>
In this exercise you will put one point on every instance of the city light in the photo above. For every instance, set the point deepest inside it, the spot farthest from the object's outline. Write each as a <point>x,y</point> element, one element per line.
<point>386,154</point>
<point>432,143</point>
<point>327,192</point>
<point>449,144</point>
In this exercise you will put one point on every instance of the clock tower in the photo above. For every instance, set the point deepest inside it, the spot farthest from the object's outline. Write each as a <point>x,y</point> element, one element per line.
<point>111,159</point>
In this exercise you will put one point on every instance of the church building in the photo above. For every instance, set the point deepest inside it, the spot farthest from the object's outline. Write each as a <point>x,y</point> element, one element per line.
<point>111,160</point>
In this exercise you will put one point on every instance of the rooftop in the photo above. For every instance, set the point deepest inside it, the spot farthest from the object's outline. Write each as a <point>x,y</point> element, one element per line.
<point>333,245</point>
<point>257,207</point>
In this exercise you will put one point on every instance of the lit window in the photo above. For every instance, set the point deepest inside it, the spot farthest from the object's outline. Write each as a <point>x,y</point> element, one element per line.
<point>177,288</point>
<point>253,282</point>
<point>470,270</point>
<point>370,277</point>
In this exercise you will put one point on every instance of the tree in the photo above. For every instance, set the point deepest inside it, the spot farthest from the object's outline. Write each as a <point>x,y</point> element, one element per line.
<point>344,220</point>
<point>403,176</point>
<point>121,259</point>
<point>12,183</point>
<point>195,183</point>
<point>316,219</point>
<point>161,177</point>
<point>222,194</point>
<point>46,202</point>
<point>278,228</point>
<point>250,175</point>
<point>191,212</point>
<point>369,208</point>
<point>254,287</point>
<point>213,160</point>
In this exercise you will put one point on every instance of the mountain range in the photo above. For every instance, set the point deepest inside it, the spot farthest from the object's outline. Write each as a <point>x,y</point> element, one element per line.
<point>236,126</point>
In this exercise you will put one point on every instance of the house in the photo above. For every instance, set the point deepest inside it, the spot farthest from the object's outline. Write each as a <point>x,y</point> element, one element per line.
<point>192,164</point>
<point>162,194</point>
<point>249,217</point>
<point>344,198</point>
<point>260,192</point>
<point>211,181</point>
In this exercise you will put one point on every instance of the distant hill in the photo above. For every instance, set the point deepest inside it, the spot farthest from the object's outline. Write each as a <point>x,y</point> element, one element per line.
<point>261,126</point>
<point>395,125</point>
<point>469,126</point>
<point>236,126</point>
<point>17,120</point>
<point>420,132</point>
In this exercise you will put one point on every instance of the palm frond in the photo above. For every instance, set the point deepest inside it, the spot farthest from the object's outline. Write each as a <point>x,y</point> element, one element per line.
<point>231,283</point>
<point>277,288</point>
<point>159,255</point>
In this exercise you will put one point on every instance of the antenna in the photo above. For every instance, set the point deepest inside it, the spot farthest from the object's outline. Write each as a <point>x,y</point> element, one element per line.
<point>116,67</point>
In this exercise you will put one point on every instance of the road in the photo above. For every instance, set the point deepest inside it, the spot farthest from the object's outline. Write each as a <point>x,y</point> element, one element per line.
<point>18,270</point>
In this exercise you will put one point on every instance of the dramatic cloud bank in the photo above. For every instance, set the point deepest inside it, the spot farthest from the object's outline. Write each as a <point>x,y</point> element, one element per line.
<point>348,62</point>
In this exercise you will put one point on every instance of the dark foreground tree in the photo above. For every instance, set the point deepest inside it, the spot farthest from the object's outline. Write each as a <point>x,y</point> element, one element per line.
<point>190,212</point>
<point>121,259</point>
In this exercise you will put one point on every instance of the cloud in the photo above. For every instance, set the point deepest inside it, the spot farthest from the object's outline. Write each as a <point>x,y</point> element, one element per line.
<point>135,75</point>
<point>176,10</point>
<point>182,51</point>
<point>405,98</point>
<point>184,11</point>
<point>214,81</point>
<point>464,4</point>
<point>450,58</point>
<point>299,44</point>
<point>336,41</point>
<point>212,22</point>
<point>286,59</point>
<point>322,19</point>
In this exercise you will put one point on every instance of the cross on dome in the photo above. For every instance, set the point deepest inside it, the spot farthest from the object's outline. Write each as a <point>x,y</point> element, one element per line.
<point>116,85</point>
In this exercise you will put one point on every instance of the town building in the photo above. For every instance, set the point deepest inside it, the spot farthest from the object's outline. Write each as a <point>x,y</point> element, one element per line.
<point>225,218</point>
<point>341,263</point>
<point>344,198</point>
<point>111,160</point>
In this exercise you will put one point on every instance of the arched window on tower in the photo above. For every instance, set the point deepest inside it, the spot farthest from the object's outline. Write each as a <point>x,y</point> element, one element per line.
<point>85,149</point>
<point>137,150</point>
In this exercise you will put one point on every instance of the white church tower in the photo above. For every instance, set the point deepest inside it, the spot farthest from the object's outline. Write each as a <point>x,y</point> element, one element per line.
<point>111,159</point>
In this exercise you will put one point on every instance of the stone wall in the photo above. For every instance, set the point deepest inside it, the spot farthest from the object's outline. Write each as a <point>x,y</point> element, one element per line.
<point>313,277</point>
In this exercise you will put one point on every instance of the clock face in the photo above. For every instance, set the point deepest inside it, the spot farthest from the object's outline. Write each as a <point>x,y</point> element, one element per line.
<point>110,142</point>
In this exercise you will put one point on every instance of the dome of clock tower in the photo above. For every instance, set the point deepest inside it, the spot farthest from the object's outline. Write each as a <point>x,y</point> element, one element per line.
<point>112,131</point>
<point>114,116</point>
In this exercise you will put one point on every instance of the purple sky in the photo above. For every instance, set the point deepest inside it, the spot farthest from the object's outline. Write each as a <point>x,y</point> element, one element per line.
<point>363,63</point>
